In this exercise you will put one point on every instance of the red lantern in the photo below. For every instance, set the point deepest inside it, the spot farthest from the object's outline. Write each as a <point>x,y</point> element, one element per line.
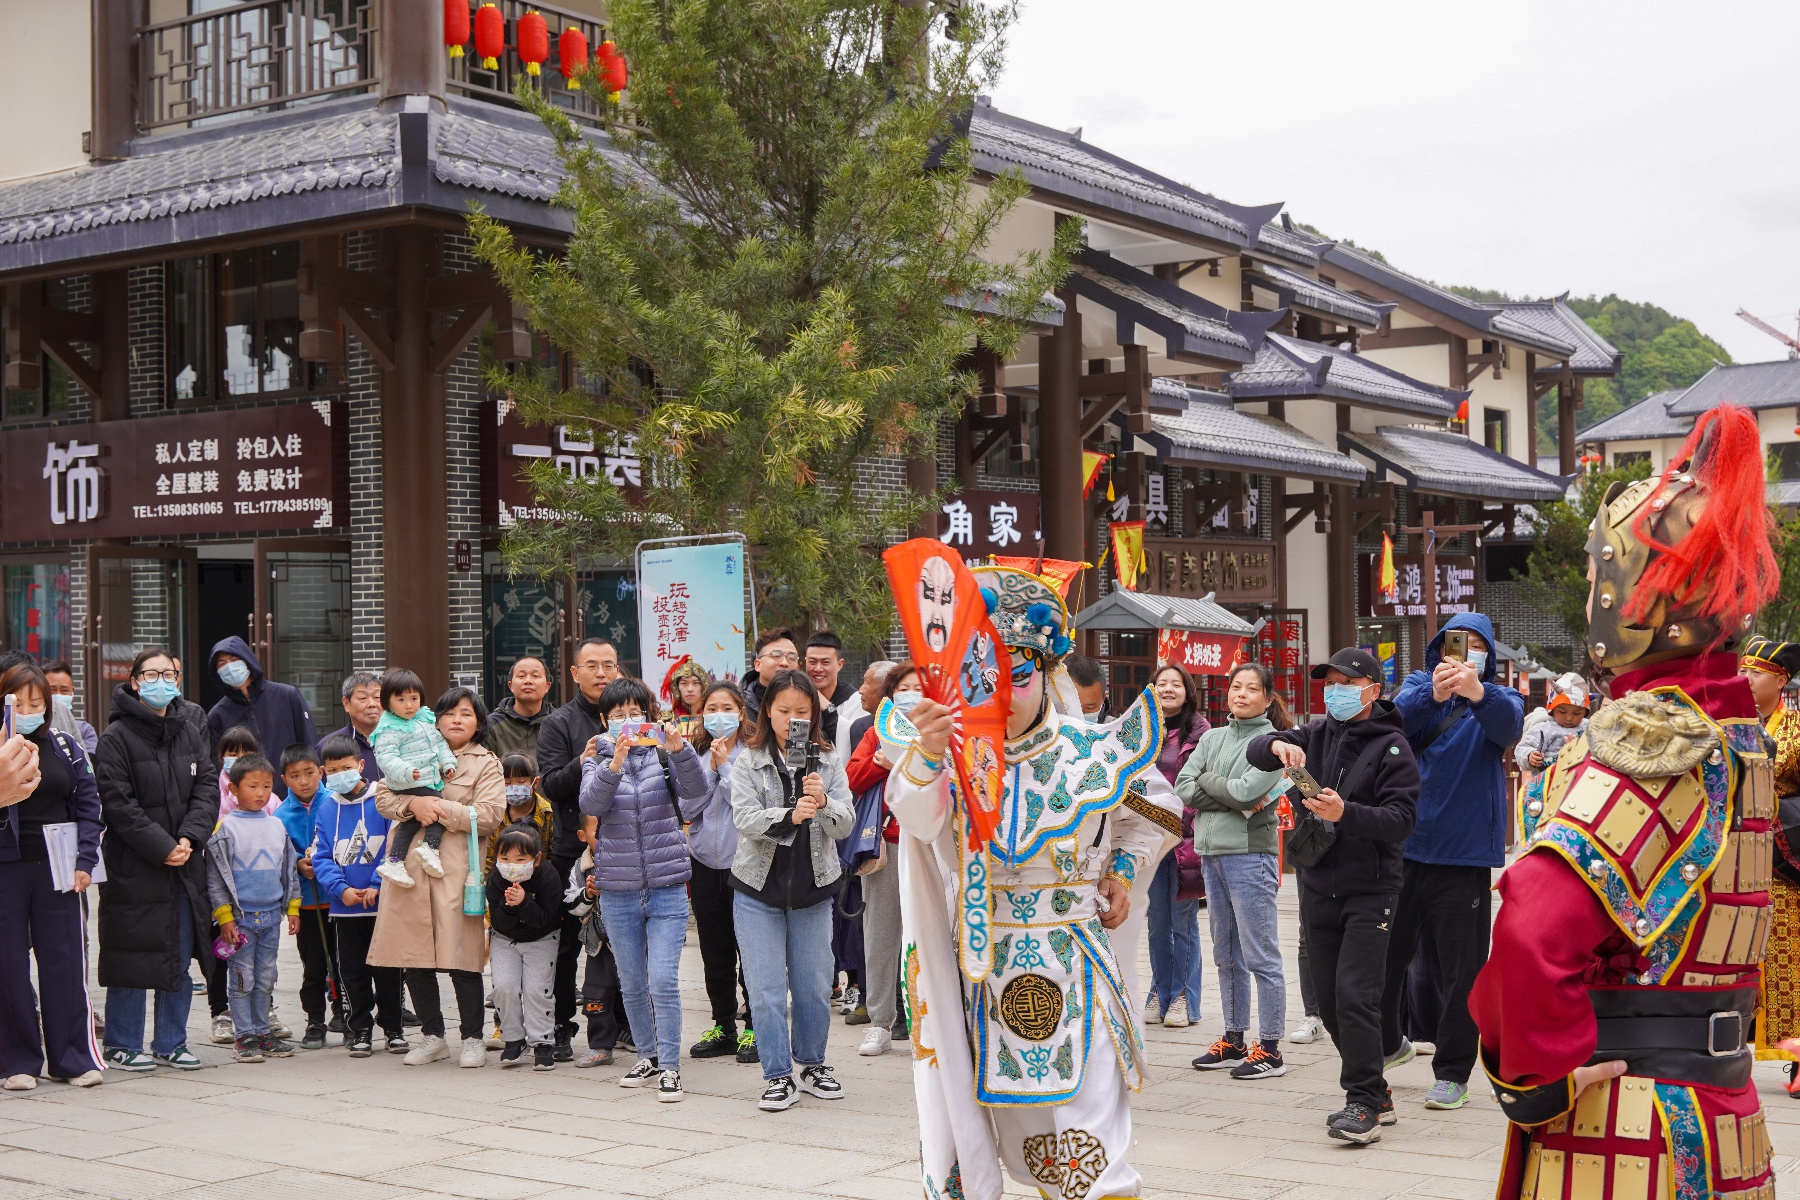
<point>490,36</point>
<point>612,68</point>
<point>572,56</point>
<point>534,42</point>
<point>456,26</point>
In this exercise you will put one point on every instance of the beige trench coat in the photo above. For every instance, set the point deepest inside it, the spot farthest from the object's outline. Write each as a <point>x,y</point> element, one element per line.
<point>424,926</point>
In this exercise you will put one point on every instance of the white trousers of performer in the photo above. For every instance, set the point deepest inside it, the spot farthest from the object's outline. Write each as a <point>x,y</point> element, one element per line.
<point>1074,1151</point>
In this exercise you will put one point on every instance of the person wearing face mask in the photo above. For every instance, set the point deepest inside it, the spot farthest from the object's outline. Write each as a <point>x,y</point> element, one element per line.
<point>1460,724</point>
<point>525,805</point>
<point>712,844</point>
<point>1358,754</point>
<point>62,701</point>
<point>525,905</point>
<point>275,712</point>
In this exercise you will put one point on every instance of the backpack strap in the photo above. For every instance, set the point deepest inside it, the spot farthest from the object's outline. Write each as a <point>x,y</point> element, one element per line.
<point>1457,707</point>
<point>1354,777</point>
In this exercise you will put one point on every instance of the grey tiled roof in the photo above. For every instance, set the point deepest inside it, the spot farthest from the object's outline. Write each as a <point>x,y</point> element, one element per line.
<point>1200,326</point>
<point>1289,244</point>
<point>1449,464</point>
<point>1593,354</point>
<point>1753,385</point>
<point>1120,609</point>
<point>1287,368</point>
<point>1200,427</point>
<point>355,149</point>
<point>1648,418</point>
<point>1194,326</point>
<point>1302,291</point>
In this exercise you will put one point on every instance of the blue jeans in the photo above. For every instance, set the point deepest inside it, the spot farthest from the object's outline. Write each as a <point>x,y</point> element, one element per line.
<point>645,929</point>
<point>1240,905</point>
<point>786,951</point>
<point>125,1006</point>
<point>251,973</point>
<point>1174,942</point>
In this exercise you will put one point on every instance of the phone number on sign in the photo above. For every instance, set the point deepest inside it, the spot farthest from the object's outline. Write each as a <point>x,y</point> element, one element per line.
<point>250,508</point>
<point>203,508</point>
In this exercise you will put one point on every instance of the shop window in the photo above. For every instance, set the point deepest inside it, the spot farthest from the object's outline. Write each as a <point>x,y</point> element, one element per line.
<point>1493,428</point>
<point>1785,455</point>
<point>1625,458</point>
<point>37,609</point>
<point>233,326</point>
<point>50,399</point>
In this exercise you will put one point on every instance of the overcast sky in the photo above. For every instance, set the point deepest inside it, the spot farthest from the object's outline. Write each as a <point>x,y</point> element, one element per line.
<point>1645,148</point>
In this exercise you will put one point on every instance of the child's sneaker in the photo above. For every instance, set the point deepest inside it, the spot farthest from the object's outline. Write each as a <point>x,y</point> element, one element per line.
<point>274,1047</point>
<point>513,1055</point>
<point>361,1045</point>
<point>780,1095</point>
<point>428,858</point>
<point>1260,1065</point>
<point>668,1088</point>
<point>852,998</point>
<point>222,1032</point>
<point>249,1049</point>
<point>395,873</point>
<point>641,1074</point>
<point>1222,1053</point>
<point>601,1057</point>
<point>496,1040</point>
<point>543,1058</point>
<point>397,1043</point>
<point>315,1036</point>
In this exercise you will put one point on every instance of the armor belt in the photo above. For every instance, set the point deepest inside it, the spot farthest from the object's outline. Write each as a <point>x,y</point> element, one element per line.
<point>1685,1036</point>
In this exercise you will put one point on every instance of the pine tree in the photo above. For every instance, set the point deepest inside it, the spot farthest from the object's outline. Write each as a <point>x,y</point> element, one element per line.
<point>774,277</point>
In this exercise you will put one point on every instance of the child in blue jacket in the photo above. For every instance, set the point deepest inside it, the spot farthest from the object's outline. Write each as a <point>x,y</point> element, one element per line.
<point>349,837</point>
<point>300,773</point>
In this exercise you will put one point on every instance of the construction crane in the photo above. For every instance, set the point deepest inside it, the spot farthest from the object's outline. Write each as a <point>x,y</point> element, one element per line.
<point>1792,344</point>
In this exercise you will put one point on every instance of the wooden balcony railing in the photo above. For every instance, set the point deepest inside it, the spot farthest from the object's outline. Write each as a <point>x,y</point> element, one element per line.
<point>467,76</point>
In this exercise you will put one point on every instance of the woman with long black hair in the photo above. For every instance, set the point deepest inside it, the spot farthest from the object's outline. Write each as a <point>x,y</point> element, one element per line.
<point>1174,922</point>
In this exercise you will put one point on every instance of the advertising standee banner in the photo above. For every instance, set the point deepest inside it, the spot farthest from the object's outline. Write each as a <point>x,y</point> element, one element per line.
<point>691,601</point>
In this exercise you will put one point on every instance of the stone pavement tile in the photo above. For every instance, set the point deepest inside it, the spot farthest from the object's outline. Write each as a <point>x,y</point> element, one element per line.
<point>561,1107</point>
<point>1423,1156</point>
<point>13,1189</point>
<point>353,1151</point>
<point>785,1166</point>
<point>299,1185</point>
<point>441,1179</point>
<point>202,1166</point>
<point>1164,1121</point>
<point>71,1143</point>
<point>1204,1180</point>
<point>529,1141</point>
<point>622,1181</point>
<point>876,1187</point>
<point>1362,1169</point>
<point>95,1178</point>
<point>135,1101</point>
<point>1218,1152</point>
<point>49,1109</point>
<point>16,1126</point>
<point>1458,1189</point>
<point>820,1124</point>
<point>638,1156</point>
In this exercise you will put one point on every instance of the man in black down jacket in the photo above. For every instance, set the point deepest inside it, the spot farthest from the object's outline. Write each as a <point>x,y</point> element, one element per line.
<point>1359,755</point>
<point>158,788</point>
<point>563,741</point>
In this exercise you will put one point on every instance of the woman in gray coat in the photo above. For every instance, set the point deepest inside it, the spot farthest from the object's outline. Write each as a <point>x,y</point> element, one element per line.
<point>791,804</point>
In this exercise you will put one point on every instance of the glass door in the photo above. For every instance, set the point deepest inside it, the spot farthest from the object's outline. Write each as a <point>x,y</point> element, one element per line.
<point>301,627</point>
<point>139,597</point>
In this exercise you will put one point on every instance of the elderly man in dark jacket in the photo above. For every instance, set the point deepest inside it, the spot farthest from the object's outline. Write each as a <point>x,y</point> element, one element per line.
<point>1358,755</point>
<point>275,712</point>
<point>159,795</point>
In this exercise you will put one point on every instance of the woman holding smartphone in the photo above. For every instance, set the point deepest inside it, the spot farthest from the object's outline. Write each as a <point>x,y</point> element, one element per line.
<point>637,783</point>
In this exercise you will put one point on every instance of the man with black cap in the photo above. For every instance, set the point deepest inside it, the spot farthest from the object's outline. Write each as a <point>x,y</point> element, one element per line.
<point>1348,838</point>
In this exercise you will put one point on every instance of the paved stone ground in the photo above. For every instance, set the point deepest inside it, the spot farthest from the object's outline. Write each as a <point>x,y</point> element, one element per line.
<point>321,1126</point>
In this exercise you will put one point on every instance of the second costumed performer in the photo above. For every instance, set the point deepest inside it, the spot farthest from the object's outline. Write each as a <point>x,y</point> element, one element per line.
<point>1031,1064</point>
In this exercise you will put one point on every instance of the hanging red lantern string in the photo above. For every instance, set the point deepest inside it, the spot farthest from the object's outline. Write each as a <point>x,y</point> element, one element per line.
<point>456,26</point>
<point>490,36</point>
<point>613,72</point>
<point>534,41</point>
<point>572,56</point>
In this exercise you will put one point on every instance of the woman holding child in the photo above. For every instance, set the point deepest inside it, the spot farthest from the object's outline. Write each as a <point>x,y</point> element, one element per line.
<point>423,929</point>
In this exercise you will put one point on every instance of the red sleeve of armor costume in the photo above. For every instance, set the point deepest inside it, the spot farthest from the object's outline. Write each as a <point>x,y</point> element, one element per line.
<point>1530,1001</point>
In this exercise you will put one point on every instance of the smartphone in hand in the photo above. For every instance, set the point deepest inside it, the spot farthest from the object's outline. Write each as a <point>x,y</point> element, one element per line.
<point>1309,787</point>
<point>1456,644</point>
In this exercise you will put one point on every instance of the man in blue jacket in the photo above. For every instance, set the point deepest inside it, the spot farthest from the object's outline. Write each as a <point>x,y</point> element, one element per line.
<point>275,712</point>
<point>1460,724</point>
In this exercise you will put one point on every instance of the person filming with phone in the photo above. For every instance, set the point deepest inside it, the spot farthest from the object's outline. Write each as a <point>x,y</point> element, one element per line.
<point>1358,783</point>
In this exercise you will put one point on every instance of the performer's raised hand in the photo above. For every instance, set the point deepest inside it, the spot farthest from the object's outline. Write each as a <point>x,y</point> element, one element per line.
<point>932,720</point>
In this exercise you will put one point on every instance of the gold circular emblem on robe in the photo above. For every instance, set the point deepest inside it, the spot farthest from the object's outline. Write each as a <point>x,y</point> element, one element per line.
<point>1031,1006</point>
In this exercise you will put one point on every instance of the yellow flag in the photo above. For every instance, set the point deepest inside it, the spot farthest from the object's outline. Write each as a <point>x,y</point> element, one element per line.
<point>1128,551</point>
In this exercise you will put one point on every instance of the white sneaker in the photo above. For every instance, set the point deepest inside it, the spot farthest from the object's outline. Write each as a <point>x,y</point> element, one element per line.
<point>86,1079</point>
<point>1177,1018</point>
<point>1153,1013</point>
<point>429,1050</point>
<point>19,1083</point>
<point>1309,1030</point>
<point>668,1087</point>
<point>876,1041</point>
<point>474,1054</point>
<point>222,1032</point>
<point>428,858</point>
<point>395,873</point>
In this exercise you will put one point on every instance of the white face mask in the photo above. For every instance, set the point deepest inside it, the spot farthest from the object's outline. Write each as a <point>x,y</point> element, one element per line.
<point>516,872</point>
<point>1478,660</point>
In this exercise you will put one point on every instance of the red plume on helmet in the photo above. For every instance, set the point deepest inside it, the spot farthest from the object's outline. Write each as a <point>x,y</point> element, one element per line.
<point>1724,570</point>
<point>667,691</point>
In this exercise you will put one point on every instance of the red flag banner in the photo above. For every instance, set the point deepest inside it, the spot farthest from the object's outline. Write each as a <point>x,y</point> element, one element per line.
<point>962,666</point>
<point>1199,653</point>
<point>1091,462</point>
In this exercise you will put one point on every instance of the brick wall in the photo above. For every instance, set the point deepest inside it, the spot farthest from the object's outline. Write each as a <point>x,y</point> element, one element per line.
<point>465,402</point>
<point>368,628</point>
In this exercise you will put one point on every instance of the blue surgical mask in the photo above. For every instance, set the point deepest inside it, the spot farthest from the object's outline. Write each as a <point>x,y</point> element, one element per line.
<point>235,674</point>
<point>1343,700</point>
<point>720,724</point>
<point>904,701</point>
<point>225,763</point>
<point>62,701</point>
<point>1478,660</point>
<point>518,793</point>
<point>342,783</point>
<point>27,723</point>
<point>158,693</point>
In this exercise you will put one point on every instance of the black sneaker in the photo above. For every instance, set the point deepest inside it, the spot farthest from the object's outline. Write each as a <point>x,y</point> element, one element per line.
<point>1260,1065</point>
<point>249,1049</point>
<point>397,1043</point>
<point>275,1047</point>
<point>543,1058</point>
<point>780,1095</point>
<point>565,1050</point>
<point>513,1055</point>
<point>1356,1123</point>
<point>818,1081</point>
<point>336,1024</point>
<point>361,1045</point>
<point>668,1087</point>
<point>408,1016</point>
<point>315,1037</point>
<point>1384,1112</point>
<point>1222,1053</point>
<point>714,1043</point>
<point>746,1047</point>
<point>641,1074</point>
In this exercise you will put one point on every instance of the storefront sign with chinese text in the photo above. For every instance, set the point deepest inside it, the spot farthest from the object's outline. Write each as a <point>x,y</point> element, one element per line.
<point>1200,653</point>
<point>508,445</point>
<point>1236,572</point>
<point>690,600</point>
<point>243,470</point>
<point>1455,586</point>
<point>980,523</point>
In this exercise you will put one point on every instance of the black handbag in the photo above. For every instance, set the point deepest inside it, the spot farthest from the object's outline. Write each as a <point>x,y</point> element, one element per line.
<point>1312,835</point>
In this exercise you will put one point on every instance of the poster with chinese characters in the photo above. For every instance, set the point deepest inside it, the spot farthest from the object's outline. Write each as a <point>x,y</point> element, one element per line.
<point>245,470</point>
<point>979,523</point>
<point>1232,571</point>
<point>690,600</point>
<point>1199,653</point>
